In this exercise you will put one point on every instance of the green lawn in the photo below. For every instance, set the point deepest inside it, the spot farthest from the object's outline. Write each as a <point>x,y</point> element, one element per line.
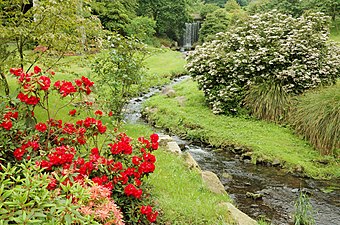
<point>180,193</point>
<point>267,140</point>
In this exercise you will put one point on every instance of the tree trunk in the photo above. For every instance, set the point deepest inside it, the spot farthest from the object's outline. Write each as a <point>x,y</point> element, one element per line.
<point>5,83</point>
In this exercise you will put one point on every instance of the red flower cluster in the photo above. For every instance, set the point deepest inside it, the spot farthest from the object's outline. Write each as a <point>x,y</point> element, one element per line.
<point>44,82</point>
<point>60,148</point>
<point>6,122</point>
<point>123,146</point>
<point>29,100</point>
<point>22,150</point>
<point>84,84</point>
<point>42,127</point>
<point>72,112</point>
<point>130,189</point>
<point>147,210</point>
<point>65,87</point>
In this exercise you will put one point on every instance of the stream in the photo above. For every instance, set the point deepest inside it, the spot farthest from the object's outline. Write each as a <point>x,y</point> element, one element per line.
<point>278,191</point>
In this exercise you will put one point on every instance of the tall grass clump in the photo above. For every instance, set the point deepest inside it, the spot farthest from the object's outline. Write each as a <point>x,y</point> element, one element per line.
<point>316,117</point>
<point>268,101</point>
<point>303,211</point>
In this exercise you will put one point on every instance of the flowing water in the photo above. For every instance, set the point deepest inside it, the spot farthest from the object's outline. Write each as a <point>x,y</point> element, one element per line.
<point>190,35</point>
<point>278,191</point>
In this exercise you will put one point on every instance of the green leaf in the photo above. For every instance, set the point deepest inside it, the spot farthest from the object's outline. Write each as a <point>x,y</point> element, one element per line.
<point>68,219</point>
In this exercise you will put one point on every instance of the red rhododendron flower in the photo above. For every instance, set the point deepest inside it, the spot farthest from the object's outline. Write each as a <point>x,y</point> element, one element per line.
<point>32,100</point>
<point>37,70</point>
<point>81,140</point>
<point>98,112</point>
<point>136,160</point>
<point>34,145</point>
<point>152,217</point>
<point>11,115</point>
<point>18,153</point>
<point>154,137</point>
<point>154,145</point>
<point>149,157</point>
<point>130,189</point>
<point>16,71</point>
<point>87,81</point>
<point>7,124</point>
<point>146,210</point>
<point>41,127</point>
<point>146,167</point>
<point>101,128</point>
<point>52,185</point>
<point>65,88</point>
<point>72,112</point>
<point>110,113</point>
<point>44,82</point>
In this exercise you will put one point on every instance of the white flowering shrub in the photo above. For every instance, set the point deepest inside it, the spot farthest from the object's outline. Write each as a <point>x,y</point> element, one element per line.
<point>292,52</point>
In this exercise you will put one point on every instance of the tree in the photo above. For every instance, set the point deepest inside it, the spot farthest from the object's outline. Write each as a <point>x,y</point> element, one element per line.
<point>208,8</point>
<point>221,20</point>
<point>290,7</point>
<point>115,15</point>
<point>217,21</point>
<point>52,27</point>
<point>232,6</point>
<point>220,3</point>
<point>170,16</point>
<point>329,7</point>
<point>143,28</point>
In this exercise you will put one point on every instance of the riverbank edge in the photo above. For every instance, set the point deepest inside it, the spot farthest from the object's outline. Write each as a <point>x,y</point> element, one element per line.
<point>174,110</point>
<point>210,179</point>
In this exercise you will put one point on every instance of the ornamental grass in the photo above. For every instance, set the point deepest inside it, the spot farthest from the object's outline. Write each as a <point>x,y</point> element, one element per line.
<point>316,117</point>
<point>268,101</point>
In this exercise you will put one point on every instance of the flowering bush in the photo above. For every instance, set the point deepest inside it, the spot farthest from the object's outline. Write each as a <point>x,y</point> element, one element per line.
<point>295,53</point>
<point>84,152</point>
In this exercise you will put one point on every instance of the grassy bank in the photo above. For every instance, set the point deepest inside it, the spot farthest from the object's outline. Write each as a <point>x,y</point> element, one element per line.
<point>180,193</point>
<point>268,141</point>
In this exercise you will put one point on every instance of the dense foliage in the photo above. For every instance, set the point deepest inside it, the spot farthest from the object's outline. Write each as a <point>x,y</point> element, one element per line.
<point>221,20</point>
<point>170,16</point>
<point>296,7</point>
<point>294,53</point>
<point>24,27</point>
<point>92,173</point>
<point>70,25</point>
<point>115,15</point>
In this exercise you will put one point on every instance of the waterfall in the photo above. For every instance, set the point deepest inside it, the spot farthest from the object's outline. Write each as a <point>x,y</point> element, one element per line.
<point>190,34</point>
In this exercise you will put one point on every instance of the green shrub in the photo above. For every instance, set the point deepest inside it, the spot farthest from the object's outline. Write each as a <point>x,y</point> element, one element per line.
<point>25,198</point>
<point>268,101</point>
<point>118,70</point>
<point>272,46</point>
<point>316,117</point>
